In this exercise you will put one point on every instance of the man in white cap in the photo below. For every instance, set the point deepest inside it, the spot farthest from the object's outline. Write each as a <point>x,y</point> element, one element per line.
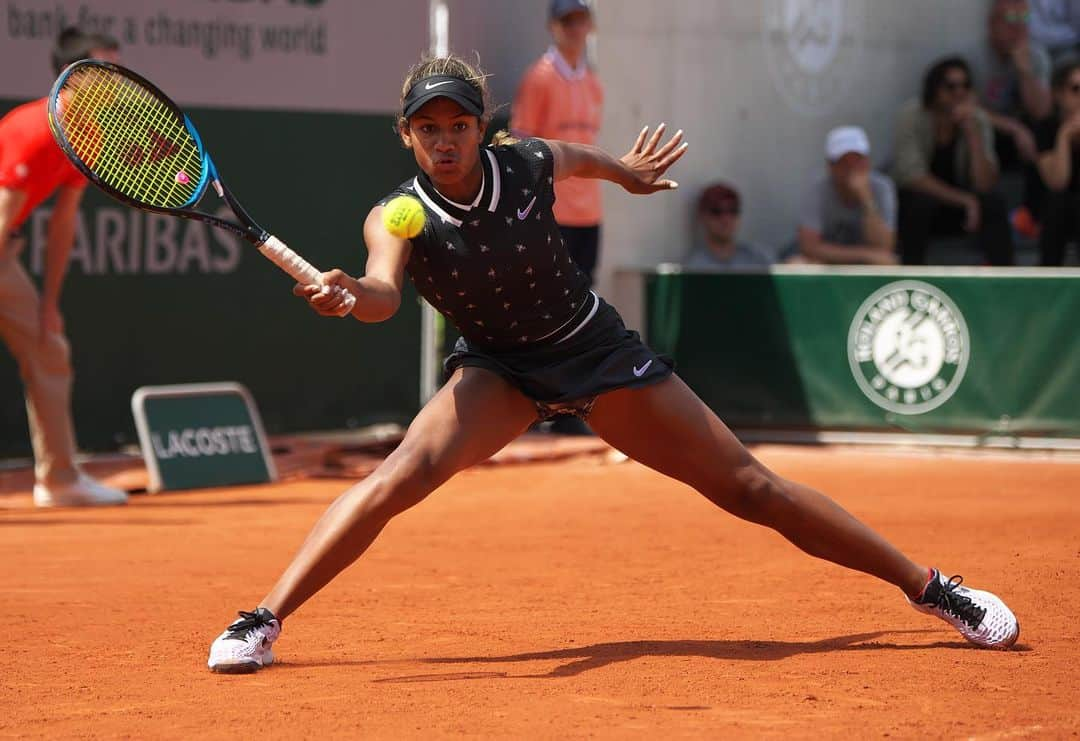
<point>848,215</point>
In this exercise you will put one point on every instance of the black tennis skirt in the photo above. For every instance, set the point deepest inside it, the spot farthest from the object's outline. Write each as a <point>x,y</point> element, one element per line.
<point>602,356</point>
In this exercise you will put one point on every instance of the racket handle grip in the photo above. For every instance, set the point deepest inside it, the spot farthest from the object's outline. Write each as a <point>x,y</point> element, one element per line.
<point>300,269</point>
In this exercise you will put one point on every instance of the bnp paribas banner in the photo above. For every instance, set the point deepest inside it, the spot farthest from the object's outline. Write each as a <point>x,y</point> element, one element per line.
<point>324,55</point>
<point>295,101</point>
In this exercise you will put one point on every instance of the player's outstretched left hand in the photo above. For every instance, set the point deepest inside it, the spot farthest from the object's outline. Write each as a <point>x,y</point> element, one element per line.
<point>647,163</point>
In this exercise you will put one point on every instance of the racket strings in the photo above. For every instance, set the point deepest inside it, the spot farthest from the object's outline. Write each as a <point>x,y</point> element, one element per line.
<point>129,138</point>
<point>134,110</point>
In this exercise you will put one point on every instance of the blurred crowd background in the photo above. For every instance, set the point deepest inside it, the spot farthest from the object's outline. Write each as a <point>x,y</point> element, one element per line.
<point>924,132</point>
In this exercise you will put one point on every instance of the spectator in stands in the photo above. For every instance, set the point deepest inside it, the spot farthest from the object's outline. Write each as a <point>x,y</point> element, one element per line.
<point>716,244</point>
<point>1059,152</point>
<point>1017,89</point>
<point>1055,24</point>
<point>947,170</point>
<point>848,215</point>
<point>1016,95</point>
<point>560,97</point>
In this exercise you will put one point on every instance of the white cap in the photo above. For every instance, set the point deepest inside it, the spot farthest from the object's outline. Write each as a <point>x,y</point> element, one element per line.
<point>845,139</point>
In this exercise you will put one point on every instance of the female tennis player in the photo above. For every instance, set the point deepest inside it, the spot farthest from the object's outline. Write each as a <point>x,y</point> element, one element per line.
<point>536,342</point>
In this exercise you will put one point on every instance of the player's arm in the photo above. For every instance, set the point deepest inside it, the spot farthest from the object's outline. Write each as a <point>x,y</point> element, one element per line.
<point>60,236</point>
<point>378,291</point>
<point>640,170</point>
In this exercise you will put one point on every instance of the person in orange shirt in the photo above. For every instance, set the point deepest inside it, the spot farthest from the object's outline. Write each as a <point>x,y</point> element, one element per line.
<point>32,168</point>
<point>560,97</point>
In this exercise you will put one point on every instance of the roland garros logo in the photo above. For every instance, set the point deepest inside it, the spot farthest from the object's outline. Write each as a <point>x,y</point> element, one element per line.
<point>814,50</point>
<point>908,347</point>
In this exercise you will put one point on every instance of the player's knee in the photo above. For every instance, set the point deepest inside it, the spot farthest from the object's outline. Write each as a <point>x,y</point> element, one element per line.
<point>424,470</point>
<point>384,502</point>
<point>381,498</point>
<point>754,493</point>
<point>408,477</point>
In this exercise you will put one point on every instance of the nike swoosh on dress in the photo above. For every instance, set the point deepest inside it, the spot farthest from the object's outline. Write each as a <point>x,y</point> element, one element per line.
<point>523,213</point>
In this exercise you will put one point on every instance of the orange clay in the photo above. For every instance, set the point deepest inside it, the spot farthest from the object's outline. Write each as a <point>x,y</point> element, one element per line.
<point>563,599</point>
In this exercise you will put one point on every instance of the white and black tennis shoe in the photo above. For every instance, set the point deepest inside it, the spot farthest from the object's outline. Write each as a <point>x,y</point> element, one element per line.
<point>245,646</point>
<point>981,617</point>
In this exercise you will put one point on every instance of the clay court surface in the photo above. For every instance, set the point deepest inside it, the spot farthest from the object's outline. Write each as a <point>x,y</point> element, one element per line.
<point>571,598</point>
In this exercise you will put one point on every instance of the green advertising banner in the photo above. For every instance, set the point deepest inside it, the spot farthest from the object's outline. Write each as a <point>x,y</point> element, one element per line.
<point>981,352</point>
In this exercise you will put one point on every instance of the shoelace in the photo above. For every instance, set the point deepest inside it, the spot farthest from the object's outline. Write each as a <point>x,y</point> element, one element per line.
<point>958,604</point>
<point>248,621</point>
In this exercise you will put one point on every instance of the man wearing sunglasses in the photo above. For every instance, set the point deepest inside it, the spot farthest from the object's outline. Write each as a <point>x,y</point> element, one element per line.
<point>1017,84</point>
<point>947,170</point>
<point>1016,94</point>
<point>716,242</point>
<point>1059,165</point>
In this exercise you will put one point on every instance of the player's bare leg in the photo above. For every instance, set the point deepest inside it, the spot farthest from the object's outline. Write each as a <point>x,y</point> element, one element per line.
<point>472,417</point>
<point>668,428</point>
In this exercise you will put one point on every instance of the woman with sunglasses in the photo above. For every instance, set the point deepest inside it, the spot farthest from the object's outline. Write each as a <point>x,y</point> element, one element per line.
<point>1059,166</point>
<point>537,342</point>
<point>946,169</point>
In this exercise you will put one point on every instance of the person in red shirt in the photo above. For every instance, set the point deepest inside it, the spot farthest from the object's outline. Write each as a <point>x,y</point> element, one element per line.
<point>32,168</point>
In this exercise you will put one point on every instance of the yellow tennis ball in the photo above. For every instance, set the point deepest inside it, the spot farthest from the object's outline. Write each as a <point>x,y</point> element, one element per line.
<point>403,217</point>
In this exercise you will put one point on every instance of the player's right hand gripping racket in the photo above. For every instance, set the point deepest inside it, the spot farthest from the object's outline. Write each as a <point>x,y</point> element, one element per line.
<point>135,144</point>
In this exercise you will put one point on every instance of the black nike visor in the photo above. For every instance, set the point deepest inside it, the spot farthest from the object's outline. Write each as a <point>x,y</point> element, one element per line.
<point>444,86</point>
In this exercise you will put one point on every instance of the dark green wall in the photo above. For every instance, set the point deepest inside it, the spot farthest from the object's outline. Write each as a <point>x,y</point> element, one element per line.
<point>308,178</point>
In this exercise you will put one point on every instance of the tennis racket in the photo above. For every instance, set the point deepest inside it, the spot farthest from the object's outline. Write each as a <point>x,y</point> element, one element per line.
<point>135,144</point>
